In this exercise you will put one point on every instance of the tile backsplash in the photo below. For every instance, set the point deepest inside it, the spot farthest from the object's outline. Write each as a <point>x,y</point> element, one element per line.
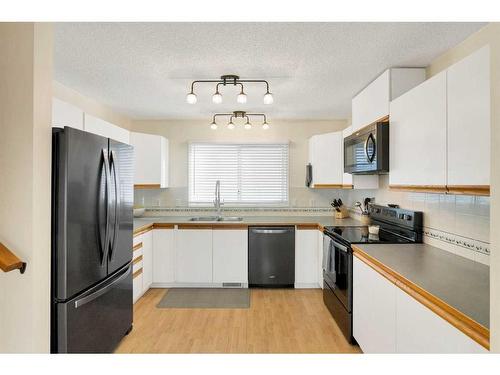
<point>457,223</point>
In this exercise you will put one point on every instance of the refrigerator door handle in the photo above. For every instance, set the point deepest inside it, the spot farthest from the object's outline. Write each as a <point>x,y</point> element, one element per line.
<point>83,301</point>
<point>116,176</point>
<point>108,201</point>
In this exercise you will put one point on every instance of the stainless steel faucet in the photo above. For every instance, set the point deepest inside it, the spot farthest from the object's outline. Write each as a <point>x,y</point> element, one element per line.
<point>217,202</point>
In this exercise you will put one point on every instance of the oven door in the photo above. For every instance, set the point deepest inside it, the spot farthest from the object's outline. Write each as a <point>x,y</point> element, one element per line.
<point>337,270</point>
<point>360,152</point>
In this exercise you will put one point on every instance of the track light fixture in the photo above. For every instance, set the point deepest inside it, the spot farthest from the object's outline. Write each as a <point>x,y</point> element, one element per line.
<point>229,79</point>
<point>239,114</point>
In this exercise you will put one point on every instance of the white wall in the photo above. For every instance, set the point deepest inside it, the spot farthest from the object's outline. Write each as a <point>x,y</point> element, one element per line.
<point>180,133</point>
<point>25,156</point>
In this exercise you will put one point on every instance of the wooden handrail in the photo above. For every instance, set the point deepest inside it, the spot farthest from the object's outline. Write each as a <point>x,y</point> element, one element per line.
<point>9,261</point>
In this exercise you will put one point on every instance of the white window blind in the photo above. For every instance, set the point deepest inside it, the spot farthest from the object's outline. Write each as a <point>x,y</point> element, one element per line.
<point>250,174</point>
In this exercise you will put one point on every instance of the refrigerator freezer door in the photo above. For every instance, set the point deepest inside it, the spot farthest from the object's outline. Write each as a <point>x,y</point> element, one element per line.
<point>96,321</point>
<point>122,194</point>
<point>80,211</point>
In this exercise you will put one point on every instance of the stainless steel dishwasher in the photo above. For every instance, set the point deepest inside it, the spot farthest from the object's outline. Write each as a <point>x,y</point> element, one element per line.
<point>271,256</point>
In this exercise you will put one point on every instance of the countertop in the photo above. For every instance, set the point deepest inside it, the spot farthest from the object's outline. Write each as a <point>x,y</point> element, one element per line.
<point>142,222</point>
<point>457,281</point>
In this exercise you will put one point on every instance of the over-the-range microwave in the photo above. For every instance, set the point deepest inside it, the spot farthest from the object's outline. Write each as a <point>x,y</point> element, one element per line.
<point>366,151</point>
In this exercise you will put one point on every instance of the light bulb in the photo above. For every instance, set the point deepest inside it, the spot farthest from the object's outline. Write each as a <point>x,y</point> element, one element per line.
<point>268,98</point>
<point>248,126</point>
<point>217,98</point>
<point>191,98</point>
<point>213,126</point>
<point>241,98</point>
<point>265,126</point>
<point>230,126</point>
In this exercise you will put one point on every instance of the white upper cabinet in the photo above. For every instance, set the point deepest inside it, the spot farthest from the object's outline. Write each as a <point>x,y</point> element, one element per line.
<point>469,120</point>
<point>372,103</point>
<point>65,114</point>
<point>230,256</point>
<point>346,177</point>
<point>325,155</point>
<point>106,129</point>
<point>150,159</point>
<point>418,135</point>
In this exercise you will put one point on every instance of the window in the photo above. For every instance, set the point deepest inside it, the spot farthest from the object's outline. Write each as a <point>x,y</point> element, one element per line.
<point>250,174</point>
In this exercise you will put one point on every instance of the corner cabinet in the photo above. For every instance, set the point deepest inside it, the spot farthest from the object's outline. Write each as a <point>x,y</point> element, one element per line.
<point>388,320</point>
<point>418,137</point>
<point>164,257</point>
<point>325,156</point>
<point>151,165</point>
<point>372,103</point>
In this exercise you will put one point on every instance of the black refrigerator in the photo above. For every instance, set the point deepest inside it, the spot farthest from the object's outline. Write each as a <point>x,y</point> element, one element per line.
<point>92,225</point>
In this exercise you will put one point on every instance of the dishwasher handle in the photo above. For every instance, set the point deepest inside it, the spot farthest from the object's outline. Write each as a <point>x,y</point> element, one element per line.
<point>271,231</point>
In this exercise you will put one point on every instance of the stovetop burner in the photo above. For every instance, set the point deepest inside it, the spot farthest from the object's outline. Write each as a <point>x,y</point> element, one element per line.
<point>360,234</point>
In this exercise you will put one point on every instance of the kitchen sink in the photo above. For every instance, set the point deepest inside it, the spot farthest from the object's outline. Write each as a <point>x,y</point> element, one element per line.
<point>215,218</point>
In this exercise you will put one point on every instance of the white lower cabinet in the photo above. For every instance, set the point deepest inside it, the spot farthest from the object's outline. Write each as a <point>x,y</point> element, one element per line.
<point>306,258</point>
<point>193,256</point>
<point>319,275</point>
<point>164,257</point>
<point>419,330</point>
<point>137,286</point>
<point>388,320</point>
<point>230,256</point>
<point>374,310</point>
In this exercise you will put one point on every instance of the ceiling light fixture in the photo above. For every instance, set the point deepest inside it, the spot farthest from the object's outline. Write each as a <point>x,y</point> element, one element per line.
<point>230,79</point>
<point>239,114</point>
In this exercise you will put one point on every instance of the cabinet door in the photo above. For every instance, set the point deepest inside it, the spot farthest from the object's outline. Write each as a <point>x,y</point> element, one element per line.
<point>105,129</point>
<point>193,256</point>
<point>346,177</point>
<point>306,258</point>
<point>147,260</point>
<point>469,120</point>
<point>327,163</point>
<point>374,310</point>
<point>418,135</point>
<point>419,330</point>
<point>320,258</point>
<point>150,159</point>
<point>372,103</point>
<point>230,256</point>
<point>164,256</point>
<point>65,114</point>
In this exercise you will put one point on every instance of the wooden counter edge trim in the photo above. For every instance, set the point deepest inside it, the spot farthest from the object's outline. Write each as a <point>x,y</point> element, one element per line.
<point>147,186</point>
<point>137,260</point>
<point>328,186</point>
<point>9,261</point>
<point>143,229</point>
<point>459,320</point>
<point>469,189</point>
<point>137,247</point>
<point>420,188</point>
<point>163,226</point>
<point>136,273</point>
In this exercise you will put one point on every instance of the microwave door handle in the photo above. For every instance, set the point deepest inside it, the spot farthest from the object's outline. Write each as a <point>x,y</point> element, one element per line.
<point>372,157</point>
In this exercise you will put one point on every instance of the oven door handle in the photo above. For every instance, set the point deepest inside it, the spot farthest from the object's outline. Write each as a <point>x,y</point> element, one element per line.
<point>339,246</point>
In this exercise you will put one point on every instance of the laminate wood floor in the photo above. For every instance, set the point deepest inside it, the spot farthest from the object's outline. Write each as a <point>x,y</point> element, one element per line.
<point>278,321</point>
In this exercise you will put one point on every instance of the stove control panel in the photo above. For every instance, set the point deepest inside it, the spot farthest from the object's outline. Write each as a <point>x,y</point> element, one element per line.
<point>397,216</point>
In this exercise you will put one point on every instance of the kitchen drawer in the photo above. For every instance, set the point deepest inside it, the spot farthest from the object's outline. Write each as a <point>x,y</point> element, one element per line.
<point>137,285</point>
<point>137,264</point>
<point>137,253</point>
<point>137,239</point>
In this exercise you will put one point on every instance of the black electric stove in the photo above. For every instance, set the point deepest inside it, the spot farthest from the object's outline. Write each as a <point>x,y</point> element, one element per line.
<point>396,226</point>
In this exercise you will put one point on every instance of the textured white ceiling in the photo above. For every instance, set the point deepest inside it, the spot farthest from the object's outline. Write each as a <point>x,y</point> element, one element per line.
<point>144,69</point>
